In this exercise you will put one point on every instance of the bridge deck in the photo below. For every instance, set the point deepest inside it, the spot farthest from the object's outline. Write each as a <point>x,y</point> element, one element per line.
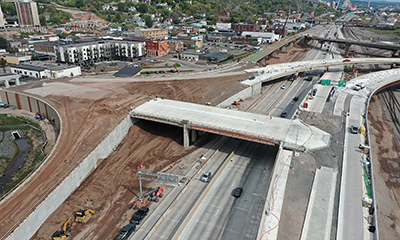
<point>243,125</point>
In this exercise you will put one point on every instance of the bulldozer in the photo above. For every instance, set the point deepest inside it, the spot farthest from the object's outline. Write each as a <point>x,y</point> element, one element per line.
<point>65,232</point>
<point>83,215</point>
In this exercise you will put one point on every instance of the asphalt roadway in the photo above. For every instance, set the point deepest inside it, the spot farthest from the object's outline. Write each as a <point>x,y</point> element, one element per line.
<point>220,215</point>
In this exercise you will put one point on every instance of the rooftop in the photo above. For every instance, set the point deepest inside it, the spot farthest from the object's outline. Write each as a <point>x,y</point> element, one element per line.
<point>41,66</point>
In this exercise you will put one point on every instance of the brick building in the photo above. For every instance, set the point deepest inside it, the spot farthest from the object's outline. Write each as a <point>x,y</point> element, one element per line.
<point>155,33</point>
<point>154,48</point>
<point>239,28</point>
<point>175,46</point>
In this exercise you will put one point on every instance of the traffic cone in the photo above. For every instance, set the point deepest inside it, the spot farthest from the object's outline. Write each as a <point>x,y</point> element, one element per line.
<point>172,165</point>
<point>181,167</point>
<point>141,165</point>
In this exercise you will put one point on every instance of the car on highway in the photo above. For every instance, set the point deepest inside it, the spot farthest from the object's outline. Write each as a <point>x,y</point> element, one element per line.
<point>139,215</point>
<point>252,78</point>
<point>283,87</point>
<point>284,114</point>
<point>314,91</point>
<point>295,99</point>
<point>346,60</point>
<point>237,192</point>
<point>125,232</point>
<point>354,129</point>
<point>206,176</point>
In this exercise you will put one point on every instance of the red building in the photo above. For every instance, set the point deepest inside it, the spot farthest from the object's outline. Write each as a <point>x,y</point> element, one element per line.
<point>154,48</point>
<point>239,28</point>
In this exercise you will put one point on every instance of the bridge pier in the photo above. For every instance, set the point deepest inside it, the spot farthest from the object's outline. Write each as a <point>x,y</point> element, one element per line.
<point>186,142</point>
<point>262,61</point>
<point>6,84</point>
<point>274,54</point>
<point>291,44</point>
<point>193,135</point>
<point>346,51</point>
<point>283,48</point>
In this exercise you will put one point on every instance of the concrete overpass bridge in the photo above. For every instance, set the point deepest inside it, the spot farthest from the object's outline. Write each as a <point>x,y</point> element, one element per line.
<point>292,134</point>
<point>391,47</point>
<point>276,71</point>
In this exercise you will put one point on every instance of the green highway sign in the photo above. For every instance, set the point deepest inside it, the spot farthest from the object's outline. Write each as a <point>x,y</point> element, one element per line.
<point>342,84</point>
<point>325,82</point>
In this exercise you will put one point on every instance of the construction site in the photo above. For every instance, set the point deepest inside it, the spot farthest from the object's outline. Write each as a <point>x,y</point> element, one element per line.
<point>89,110</point>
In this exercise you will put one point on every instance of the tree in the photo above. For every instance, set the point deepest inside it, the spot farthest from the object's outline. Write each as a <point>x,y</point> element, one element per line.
<point>143,8</point>
<point>109,17</point>
<point>42,19</point>
<point>148,21</point>
<point>118,17</point>
<point>3,43</point>
<point>3,63</point>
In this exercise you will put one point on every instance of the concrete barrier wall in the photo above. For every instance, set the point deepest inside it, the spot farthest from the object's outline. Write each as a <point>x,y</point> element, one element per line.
<point>31,104</point>
<point>248,92</point>
<point>33,222</point>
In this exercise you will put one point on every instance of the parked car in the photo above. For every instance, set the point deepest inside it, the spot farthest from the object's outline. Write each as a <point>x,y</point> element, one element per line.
<point>206,176</point>
<point>125,232</point>
<point>252,77</point>
<point>135,65</point>
<point>346,60</point>
<point>314,91</point>
<point>354,129</point>
<point>237,192</point>
<point>139,215</point>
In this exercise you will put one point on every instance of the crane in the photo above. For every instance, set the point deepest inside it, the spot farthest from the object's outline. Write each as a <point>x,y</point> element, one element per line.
<point>90,14</point>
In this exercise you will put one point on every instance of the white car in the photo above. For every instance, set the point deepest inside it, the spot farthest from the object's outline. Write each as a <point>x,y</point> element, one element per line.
<point>283,86</point>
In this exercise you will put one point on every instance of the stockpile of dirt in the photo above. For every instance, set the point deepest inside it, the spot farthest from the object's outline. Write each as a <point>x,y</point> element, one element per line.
<point>385,150</point>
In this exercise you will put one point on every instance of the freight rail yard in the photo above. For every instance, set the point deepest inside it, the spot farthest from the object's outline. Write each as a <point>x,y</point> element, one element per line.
<point>90,108</point>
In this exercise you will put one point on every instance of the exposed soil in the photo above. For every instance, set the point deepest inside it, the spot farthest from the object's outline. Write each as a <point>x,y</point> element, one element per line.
<point>88,116</point>
<point>385,156</point>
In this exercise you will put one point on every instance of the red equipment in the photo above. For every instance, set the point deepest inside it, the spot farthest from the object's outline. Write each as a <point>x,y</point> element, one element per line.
<point>158,193</point>
<point>90,14</point>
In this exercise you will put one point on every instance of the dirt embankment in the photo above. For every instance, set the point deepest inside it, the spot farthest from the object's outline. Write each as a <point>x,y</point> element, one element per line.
<point>385,150</point>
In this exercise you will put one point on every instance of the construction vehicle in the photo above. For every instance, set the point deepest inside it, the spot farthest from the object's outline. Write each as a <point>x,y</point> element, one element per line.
<point>65,232</point>
<point>157,193</point>
<point>83,215</point>
<point>6,105</point>
<point>236,103</point>
<point>174,65</point>
<point>39,116</point>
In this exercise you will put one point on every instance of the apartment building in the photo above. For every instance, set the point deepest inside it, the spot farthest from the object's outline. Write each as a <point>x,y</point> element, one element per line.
<point>154,33</point>
<point>27,13</point>
<point>99,51</point>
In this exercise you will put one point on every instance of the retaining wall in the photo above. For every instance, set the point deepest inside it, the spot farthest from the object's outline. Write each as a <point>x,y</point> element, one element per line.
<point>33,222</point>
<point>248,92</point>
<point>31,104</point>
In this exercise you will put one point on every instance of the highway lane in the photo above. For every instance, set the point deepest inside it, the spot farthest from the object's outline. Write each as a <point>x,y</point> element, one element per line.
<point>169,225</point>
<point>209,219</point>
<point>246,212</point>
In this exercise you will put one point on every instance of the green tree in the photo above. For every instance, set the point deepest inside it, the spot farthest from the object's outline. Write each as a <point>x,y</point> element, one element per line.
<point>3,43</point>
<point>42,19</point>
<point>8,8</point>
<point>148,21</point>
<point>143,8</point>
<point>109,17</point>
<point>118,17</point>
<point>24,35</point>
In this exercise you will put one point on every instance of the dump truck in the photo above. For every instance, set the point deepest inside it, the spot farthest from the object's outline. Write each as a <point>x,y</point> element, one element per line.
<point>83,215</point>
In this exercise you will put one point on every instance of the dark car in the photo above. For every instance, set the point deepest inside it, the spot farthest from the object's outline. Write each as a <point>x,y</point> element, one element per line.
<point>284,114</point>
<point>354,129</point>
<point>125,232</point>
<point>295,99</point>
<point>139,215</point>
<point>237,192</point>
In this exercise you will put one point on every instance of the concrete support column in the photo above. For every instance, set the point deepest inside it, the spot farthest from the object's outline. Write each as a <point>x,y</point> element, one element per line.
<point>283,48</point>
<point>7,84</point>
<point>262,62</point>
<point>17,81</point>
<point>193,134</point>
<point>346,51</point>
<point>274,54</point>
<point>186,142</point>
<point>291,44</point>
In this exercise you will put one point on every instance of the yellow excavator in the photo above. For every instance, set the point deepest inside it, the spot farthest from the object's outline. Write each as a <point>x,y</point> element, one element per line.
<point>65,232</point>
<point>83,215</point>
